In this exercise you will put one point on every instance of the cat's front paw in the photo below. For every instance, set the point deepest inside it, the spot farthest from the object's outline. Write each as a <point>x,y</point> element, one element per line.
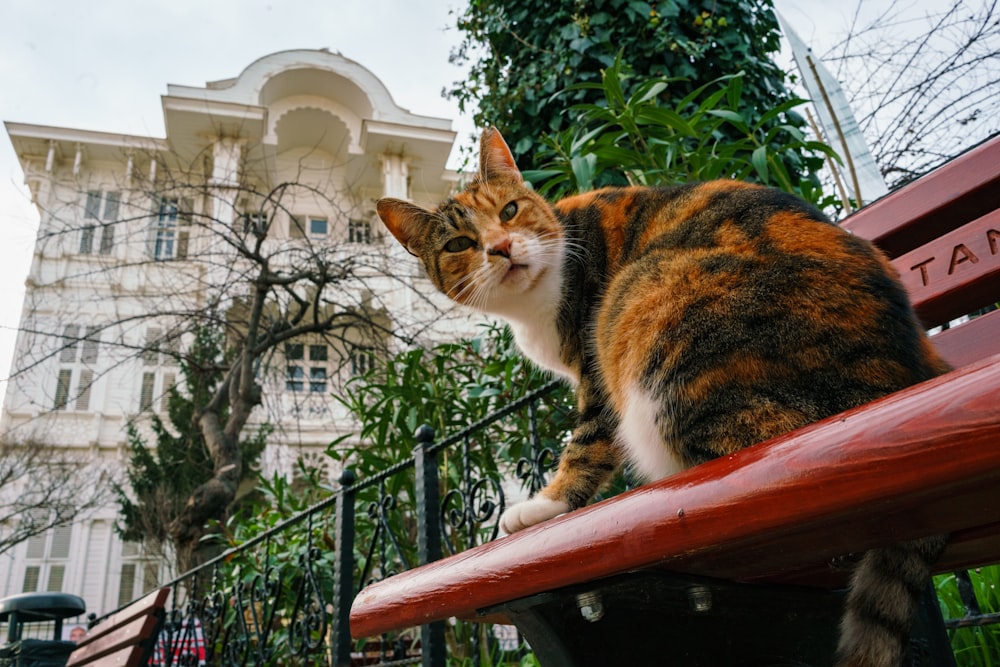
<point>530,512</point>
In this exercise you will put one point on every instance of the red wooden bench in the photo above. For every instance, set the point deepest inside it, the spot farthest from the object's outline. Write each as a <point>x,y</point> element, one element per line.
<point>126,638</point>
<point>739,556</point>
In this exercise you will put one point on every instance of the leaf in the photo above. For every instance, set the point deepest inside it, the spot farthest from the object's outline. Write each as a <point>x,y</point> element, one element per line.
<point>613,86</point>
<point>647,91</point>
<point>666,118</point>
<point>773,113</point>
<point>586,138</point>
<point>641,10</point>
<point>759,160</point>
<point>780,173</point>
<point>536,175</point>
<point>668,9</point>
<point>477,391</point>
<point>733,92</point>
<point>616,156</point>
<point>733,117</point>
<point>583,171</point>
<point>581,44</point>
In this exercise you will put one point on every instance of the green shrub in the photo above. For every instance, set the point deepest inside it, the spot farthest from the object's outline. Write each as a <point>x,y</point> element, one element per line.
<point>973,646</point>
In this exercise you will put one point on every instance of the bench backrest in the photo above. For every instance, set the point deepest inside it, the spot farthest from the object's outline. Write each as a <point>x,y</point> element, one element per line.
<point>126,638</point>
<point>942,232</point>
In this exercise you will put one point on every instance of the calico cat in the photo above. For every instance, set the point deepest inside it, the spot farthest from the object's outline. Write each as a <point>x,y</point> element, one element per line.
<point>694,321</point>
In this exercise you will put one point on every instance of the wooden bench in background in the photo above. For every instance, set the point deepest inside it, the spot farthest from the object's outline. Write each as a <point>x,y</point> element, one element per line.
<point>126,638</point>
<point>738,558</point>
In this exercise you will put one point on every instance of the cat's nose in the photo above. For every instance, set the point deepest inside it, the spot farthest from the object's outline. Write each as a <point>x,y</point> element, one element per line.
<point>501,248</point>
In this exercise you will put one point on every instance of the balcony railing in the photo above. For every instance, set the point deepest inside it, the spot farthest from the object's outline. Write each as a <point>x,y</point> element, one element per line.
<point>284,596</point>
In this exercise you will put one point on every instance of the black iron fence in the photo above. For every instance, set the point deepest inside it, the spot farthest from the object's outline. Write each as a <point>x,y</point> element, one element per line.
<point>284,596</point>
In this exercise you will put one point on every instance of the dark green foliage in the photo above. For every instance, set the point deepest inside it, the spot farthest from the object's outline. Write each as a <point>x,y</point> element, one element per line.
<point>630,137</point>
<point>448,387</point>
<point>161,478</point>
<point>523,57</point>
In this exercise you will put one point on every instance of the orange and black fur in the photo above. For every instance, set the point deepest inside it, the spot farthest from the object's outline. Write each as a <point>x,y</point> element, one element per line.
<point>694,321</point>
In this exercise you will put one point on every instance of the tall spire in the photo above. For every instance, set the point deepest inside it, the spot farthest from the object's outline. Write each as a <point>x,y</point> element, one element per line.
<point>837,120</point>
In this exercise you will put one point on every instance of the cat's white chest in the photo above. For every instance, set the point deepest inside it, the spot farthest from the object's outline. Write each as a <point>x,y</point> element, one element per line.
<point>539,341</point>
<point>532,319</point>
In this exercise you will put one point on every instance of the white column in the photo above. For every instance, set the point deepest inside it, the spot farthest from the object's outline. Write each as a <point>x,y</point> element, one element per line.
<point>225,179</point>
<point>34,185</point>
<point>78,160</point>
<point>50,159</point>
<point>395,176</point>
<point>79,563</point>
<point>395,183</point>
<point>226,154</point>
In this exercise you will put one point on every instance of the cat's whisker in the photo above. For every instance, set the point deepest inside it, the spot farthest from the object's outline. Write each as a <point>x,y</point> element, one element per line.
<point>465,283</point>
<point>475,290</point>
<point>556,243</point>
<point>485,286</point>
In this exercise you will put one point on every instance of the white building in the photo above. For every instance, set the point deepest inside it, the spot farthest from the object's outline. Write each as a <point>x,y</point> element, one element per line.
<point>117,241</point>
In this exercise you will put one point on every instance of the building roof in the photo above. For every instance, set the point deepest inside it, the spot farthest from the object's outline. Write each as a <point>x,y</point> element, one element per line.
<point>297,98</point>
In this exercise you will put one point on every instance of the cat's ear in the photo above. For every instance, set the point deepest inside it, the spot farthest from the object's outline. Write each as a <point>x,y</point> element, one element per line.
<point>407,222</point>
<point>495,159</point>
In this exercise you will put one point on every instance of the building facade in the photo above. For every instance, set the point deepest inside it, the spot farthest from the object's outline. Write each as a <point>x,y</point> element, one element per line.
<point>285,160</point>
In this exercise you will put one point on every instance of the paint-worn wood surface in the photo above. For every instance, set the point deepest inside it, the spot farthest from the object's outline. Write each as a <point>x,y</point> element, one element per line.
<point>923,461</point>
<point>125,639</point>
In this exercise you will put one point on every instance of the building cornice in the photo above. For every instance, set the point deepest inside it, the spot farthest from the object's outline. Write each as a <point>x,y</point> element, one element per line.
<point>30,131</point>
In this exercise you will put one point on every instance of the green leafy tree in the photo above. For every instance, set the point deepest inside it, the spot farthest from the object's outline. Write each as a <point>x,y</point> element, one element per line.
<point>162,478</point>
<point>526,60</point>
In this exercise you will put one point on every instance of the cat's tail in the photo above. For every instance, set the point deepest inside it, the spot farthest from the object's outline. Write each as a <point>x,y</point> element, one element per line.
<point>882,602</point>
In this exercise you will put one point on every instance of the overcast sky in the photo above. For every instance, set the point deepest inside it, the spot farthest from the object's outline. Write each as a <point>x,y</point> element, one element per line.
<point>104,65</point>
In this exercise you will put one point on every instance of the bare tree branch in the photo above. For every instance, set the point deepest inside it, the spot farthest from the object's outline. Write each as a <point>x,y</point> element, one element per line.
<point>924,88</point>
<point>43,487</point>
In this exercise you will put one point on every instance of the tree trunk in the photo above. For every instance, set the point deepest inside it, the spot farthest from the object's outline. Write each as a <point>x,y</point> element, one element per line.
<point>213,499</point>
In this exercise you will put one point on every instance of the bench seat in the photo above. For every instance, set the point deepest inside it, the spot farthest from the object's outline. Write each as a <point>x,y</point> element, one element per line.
<point>923,461</point>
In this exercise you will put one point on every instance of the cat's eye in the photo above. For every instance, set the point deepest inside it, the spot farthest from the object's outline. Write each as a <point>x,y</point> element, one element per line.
<point>459,243</point>
<point>508,212</point>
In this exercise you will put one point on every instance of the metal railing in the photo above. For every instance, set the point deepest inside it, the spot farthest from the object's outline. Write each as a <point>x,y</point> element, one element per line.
<point>284,596</point>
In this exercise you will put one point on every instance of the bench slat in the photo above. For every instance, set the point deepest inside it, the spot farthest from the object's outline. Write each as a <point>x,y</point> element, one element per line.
<point>129,656</point>
<point>971,341</point>
<point>129,635</point>
<point>955,274</point>
<point>919,456</point>
<point>960,190</point>
<point>152,602</point>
